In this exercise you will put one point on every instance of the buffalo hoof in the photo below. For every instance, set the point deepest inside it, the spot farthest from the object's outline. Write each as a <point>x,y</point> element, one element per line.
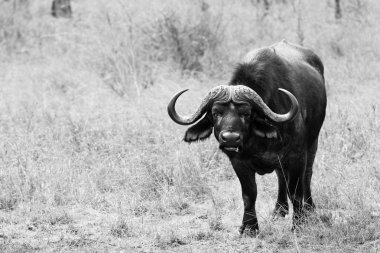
<point>295,228</point>
<point>308,209</point>
<point>249,230</point>
<point>298,225</point>
<point>299,220</point>
<point>279,212</point>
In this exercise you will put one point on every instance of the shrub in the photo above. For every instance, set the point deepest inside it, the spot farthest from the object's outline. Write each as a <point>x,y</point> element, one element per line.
<point>190,43</point>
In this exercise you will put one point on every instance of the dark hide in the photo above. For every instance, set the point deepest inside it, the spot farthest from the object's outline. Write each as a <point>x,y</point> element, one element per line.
<point>292,146</point>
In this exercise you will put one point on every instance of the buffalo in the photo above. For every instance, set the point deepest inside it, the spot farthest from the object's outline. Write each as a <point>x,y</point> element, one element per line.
<point>266,119</point>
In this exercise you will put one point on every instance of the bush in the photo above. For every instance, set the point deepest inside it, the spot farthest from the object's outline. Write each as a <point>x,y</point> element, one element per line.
<point>190,42</point>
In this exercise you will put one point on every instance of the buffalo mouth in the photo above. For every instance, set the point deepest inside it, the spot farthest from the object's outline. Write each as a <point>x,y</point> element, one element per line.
<point>231,149</point>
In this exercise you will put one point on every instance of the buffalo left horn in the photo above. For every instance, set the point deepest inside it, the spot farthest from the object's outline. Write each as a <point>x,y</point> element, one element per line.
<point>244,93</point>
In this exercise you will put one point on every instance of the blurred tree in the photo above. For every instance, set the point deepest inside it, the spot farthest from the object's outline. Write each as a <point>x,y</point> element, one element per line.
<point>61,8</point>
<point>18,5</point>
<point>338,11</point>
<point>266,5</point>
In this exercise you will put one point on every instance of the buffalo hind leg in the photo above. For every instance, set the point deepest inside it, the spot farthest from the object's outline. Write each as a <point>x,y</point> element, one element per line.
<point>309,204</point>
<point>282,207</point>
<point>247,180</point>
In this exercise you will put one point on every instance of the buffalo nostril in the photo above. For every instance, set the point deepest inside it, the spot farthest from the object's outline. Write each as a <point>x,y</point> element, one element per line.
<point>230,136</point>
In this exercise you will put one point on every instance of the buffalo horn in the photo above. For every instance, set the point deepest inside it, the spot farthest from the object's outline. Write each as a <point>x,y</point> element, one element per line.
<point>244,93</point>
<point>237,93</point>
<point>219,92</point>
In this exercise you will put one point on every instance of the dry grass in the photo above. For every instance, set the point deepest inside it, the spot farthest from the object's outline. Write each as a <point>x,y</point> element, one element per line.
<point>91,162</point>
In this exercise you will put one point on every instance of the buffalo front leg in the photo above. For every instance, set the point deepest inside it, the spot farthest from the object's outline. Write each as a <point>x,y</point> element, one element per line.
<point>309,203</point>
<point>249,191</point>
<point>297,166</point>
<point>281,208</point>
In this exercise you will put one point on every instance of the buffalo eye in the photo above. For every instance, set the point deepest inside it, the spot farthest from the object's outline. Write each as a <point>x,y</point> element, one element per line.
<point>245,114</point>
<point>216,114</point>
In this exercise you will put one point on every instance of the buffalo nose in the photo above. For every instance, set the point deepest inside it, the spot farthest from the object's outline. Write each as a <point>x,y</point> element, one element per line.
<point>227,136</point>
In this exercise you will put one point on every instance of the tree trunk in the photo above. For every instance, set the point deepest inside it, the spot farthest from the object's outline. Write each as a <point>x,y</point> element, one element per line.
<point>338,11</point>
<point>61,8</point>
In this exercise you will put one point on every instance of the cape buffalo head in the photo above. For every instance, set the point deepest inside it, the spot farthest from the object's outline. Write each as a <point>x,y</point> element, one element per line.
<point>231,111</point>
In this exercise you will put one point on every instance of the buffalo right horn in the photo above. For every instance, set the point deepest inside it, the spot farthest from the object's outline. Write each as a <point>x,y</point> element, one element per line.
<point>220,93</point>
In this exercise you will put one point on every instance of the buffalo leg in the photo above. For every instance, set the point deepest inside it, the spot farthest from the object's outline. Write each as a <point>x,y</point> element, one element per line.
<point>282,207</point>
<point>297,168</point>
<point>309,204</point>
<point>249,192</point>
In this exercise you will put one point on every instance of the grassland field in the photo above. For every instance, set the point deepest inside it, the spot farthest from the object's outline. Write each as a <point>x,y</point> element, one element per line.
<point>91,162</point>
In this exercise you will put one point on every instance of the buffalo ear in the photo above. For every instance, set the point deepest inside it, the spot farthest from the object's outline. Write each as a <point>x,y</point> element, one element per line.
<point>199,131</point>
